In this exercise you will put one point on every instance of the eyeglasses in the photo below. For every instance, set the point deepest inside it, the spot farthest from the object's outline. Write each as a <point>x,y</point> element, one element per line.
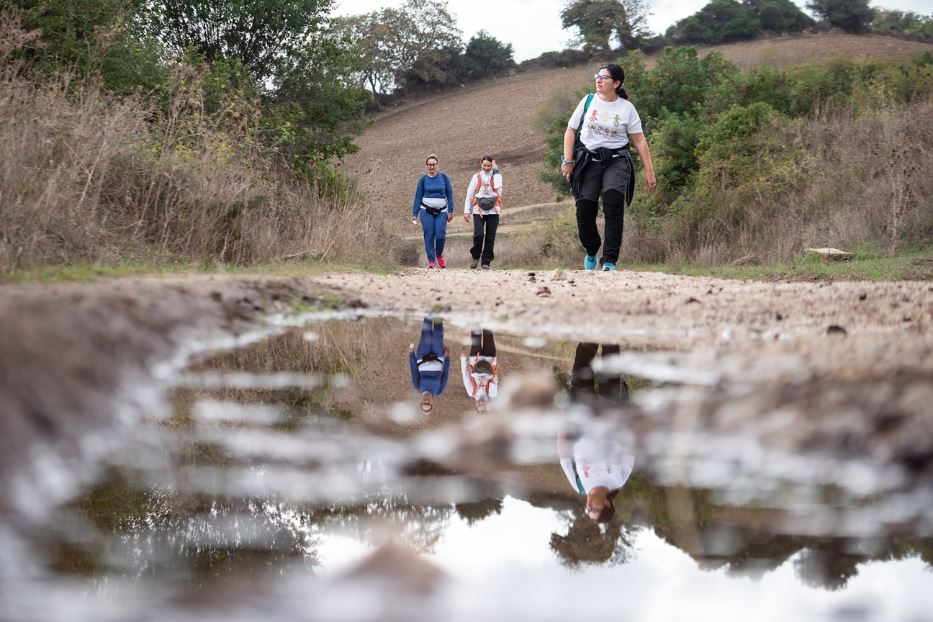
<point>432,165</point>
<point>600,77</point>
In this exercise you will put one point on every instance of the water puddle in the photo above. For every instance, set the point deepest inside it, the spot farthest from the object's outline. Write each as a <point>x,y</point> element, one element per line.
<point>341,470</point>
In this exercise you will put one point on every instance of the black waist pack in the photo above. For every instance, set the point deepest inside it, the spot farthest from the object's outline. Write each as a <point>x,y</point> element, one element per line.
<point>487,204</point>
<point>434,211</point>
<point>482,367</point>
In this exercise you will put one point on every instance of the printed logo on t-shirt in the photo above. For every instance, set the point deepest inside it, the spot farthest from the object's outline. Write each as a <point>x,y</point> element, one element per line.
<point>603,124</point>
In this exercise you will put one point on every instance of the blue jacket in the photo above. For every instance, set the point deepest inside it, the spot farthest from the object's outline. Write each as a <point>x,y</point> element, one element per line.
<point>437,187</point>
<point>432,381</point>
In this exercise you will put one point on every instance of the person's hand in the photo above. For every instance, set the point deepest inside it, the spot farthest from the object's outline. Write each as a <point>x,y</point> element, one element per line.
<point>446,351</point>
<point>411,347</point>
<point>466,216</point>
<point>495,166</point>
<point>413,219</point>
<point>450,216</point>
<point>565,169</point>
<point>650,181</point>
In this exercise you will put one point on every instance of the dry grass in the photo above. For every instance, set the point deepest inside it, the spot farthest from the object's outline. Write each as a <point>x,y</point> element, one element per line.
<point>871,179</point>
<point>86,177</point>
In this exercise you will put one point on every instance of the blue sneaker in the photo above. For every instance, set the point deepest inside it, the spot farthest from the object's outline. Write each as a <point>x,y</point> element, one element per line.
<point>590,262</point>
<point>609,267</point>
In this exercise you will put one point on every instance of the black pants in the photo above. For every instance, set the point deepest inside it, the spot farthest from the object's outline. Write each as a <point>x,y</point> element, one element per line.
<point>482,343</point>
<point>613,213</point>
<point>484,229</point>
<point>611,179</point>
<point>588,386</point>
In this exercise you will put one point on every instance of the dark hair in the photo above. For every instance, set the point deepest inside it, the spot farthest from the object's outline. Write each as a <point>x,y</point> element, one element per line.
<point>617,73</point>
<point>431,157</point>
<point>610,510</point>
<point>487,157</point>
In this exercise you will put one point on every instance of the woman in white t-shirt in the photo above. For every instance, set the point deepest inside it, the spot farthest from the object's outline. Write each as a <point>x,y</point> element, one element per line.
<point>597,468</point>
<point>600,163</point>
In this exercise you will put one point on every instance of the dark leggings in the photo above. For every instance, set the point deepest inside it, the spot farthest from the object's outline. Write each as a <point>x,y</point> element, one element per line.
<point>482,343</point>
<point>613,213</point>
<point>484,229</point>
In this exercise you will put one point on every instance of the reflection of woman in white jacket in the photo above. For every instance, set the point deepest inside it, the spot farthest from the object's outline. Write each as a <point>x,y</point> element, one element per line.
<point>480,368</point>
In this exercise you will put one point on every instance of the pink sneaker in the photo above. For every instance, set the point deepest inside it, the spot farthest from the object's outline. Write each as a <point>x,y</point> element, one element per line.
<point>441,262</point>
<point>430,264</point>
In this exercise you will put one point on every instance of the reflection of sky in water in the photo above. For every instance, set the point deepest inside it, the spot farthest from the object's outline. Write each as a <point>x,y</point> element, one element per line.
<point>503,563</point>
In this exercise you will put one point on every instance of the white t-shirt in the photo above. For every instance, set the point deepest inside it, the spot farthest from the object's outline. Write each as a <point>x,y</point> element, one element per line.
<point>607,124</point>
<point>600,462</point>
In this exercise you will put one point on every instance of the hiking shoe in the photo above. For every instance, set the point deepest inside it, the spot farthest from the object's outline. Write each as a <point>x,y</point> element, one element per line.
<point>485,266</point>
<point>430,264</point>
<point>609,267</point>
<point>441,262</point>
<point>473,264</point>
<point>590,262</point>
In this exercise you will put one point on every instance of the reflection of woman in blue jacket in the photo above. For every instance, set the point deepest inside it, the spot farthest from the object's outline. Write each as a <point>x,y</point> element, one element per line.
<point>430,364</point>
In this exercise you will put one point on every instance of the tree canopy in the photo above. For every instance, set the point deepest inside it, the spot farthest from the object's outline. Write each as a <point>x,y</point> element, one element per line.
<point>850,15</point>
<point>717,22</point>
<point>261,34</point>
<point>419,47</point>
<point>596,21</point>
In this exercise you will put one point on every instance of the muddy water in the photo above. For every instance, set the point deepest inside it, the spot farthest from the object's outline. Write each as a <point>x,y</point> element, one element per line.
<point>300,478</point>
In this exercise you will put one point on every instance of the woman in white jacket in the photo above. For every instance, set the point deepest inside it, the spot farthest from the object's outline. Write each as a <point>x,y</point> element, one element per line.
<point>484,204</point>
<point>480,369</point>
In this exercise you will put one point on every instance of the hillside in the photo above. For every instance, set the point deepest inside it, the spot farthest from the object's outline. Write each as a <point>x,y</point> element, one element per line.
<point>499,118</point>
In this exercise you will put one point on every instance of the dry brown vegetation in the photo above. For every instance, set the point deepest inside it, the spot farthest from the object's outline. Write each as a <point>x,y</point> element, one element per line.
<point>88,177</point>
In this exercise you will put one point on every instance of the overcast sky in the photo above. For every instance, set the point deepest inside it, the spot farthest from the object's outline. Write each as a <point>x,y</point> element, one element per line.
<point>533,26</point>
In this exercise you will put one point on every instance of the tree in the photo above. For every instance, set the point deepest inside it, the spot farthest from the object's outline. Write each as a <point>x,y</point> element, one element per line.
<point>486,56</point>
<point>850,15</point>
<point>717,22</point>
<point>261,34</point>
<point>596,21</point>
<point>903,23</point>
<point>93,37</point>
<point>392,41</point>
<point>314,109</point>
<point>779,15</point>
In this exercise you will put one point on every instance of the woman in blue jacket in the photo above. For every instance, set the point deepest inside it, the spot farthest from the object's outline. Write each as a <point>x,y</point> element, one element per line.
<point>434,203</point>
<point>430,364</point>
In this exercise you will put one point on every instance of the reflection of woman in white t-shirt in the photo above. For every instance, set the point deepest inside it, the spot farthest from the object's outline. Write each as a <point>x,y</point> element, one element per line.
<point>597,468</point>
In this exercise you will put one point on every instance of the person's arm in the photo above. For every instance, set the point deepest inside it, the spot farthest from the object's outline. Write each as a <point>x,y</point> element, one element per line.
<point>413,363</point>
<point>450,198</point>
<point>497,182</point>
<point>641,145</point>
<point>419,194</point>
<point>468,204</point>
<point>563,448</point>
<point>465,371</point>
<point>445,373</point>
<point>570,137</point>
